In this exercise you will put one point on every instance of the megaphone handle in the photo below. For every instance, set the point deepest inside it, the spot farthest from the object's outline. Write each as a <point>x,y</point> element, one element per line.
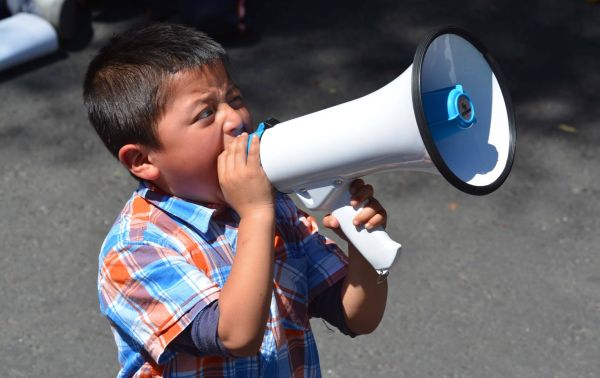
<point>375,245</point>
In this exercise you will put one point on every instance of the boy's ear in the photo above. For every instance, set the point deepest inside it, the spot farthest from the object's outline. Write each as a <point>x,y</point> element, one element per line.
<point>135,158</point>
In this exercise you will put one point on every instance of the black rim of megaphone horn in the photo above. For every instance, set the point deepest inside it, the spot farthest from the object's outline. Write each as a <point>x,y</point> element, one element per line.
<point>422,122</point>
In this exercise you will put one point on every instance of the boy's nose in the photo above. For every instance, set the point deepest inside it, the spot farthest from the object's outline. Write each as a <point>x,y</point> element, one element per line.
<point>233,123</point>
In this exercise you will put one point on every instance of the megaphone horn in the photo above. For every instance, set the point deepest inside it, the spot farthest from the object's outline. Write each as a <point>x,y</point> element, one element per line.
<point>448,113</point>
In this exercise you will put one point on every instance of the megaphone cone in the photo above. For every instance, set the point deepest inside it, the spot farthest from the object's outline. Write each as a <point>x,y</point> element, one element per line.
<point>474,151</point>
<point>448,113</point>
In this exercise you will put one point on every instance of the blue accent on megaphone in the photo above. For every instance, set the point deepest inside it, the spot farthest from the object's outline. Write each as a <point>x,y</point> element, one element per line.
<point>460,107</point>
<point>259,132</point>
<point>448,111</point>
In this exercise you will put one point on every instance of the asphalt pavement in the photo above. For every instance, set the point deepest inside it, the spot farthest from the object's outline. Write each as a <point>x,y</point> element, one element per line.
<point>504,285</point>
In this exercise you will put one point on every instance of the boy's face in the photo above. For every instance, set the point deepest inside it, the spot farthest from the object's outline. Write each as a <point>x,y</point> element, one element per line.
<point>203,114</point>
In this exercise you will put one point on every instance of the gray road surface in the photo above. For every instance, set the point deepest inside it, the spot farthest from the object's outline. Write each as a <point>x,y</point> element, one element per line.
<point>506,285</point>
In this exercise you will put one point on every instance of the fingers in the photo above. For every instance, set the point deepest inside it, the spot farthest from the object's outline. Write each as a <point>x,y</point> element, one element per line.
<point>235,152</point>
<point>240,144</point>
<point>371,216</point>
<point>333,224</point>
<point>254,152</point>
<point>232,158</point>
<point>360,192</point>
<point>330,221</point>
<point>240,155</point>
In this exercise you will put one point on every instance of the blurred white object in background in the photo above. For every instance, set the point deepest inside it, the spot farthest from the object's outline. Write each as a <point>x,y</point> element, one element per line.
<point>24,37</point>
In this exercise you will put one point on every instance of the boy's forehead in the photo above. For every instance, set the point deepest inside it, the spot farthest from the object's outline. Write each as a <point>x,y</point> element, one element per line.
<point>213,75</point>
<point>187,87</point>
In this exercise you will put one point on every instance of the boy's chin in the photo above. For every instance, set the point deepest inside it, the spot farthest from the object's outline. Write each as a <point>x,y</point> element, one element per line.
<point>215,198</point>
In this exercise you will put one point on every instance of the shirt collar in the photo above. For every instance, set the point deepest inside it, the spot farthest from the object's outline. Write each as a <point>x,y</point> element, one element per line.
<point>196,215</point>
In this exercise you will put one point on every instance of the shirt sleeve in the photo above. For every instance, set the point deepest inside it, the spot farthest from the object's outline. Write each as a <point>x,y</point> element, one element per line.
<point>328,306</point>
<point>326,263</point>
<point>201,338</point>
<point>150,294</point>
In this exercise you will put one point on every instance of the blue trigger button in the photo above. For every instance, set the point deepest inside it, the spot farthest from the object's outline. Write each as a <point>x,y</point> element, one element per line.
<point>267,124</point>
<point>259,132</point>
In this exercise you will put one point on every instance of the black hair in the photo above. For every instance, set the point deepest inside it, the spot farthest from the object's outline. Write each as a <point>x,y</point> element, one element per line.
<point>126,84</point>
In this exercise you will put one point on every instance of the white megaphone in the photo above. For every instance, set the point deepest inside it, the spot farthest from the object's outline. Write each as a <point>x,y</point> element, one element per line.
<point>448,113</point>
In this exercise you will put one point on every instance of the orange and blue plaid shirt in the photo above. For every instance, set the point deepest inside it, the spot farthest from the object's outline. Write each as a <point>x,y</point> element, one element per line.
<point>165,259</point>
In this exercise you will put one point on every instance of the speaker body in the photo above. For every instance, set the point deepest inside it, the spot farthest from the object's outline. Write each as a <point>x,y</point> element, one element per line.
<point>370,134</point>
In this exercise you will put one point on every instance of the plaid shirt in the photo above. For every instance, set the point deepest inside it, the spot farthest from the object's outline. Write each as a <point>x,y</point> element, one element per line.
<point>165,259</point>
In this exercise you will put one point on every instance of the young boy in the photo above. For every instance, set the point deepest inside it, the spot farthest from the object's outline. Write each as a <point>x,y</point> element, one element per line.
<point>208,271</point>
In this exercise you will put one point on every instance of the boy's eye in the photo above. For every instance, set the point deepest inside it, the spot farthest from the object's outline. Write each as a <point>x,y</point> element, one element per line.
<point>236,102</point>
<point>206,113</point>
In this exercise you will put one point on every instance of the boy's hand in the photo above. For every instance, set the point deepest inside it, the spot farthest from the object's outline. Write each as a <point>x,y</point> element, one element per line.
<point>372,214</point>
<point>243,182</point>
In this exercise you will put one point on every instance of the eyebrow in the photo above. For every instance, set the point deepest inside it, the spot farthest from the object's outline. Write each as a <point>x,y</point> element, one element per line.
<point>232,87</point>
<point>205,95</point>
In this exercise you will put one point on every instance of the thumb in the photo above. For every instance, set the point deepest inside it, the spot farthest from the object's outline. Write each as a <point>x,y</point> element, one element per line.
<point>331,222</point>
